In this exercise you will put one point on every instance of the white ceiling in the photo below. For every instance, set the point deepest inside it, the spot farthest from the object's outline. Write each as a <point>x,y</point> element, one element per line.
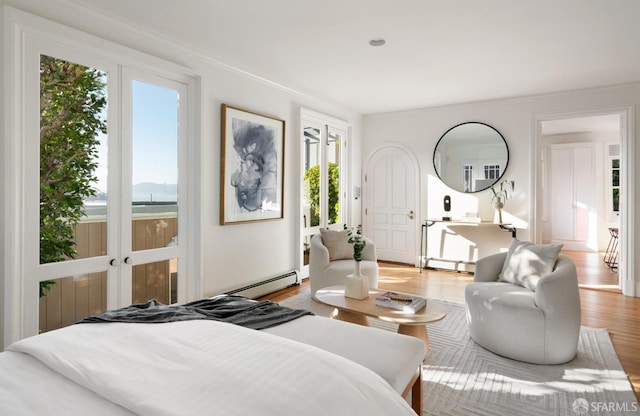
<point>438,52</point>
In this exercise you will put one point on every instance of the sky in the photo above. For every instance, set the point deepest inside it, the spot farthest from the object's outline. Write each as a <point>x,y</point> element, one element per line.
<point>154,137</point>
<point>155,134</point>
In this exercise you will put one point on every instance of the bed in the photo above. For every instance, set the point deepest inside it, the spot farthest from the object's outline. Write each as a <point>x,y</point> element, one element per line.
<point>189,367</point>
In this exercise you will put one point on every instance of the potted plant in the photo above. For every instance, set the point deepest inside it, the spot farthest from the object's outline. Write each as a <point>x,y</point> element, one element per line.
<point>501,193</point>
<point>356,284</point>
<point>357,240</point>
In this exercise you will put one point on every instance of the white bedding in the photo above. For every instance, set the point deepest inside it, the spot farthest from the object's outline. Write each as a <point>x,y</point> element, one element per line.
<point>186,368</point>
<point>28,388</point>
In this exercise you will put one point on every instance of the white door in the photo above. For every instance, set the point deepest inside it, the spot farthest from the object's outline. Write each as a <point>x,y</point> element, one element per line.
<point>573,190</point>
<point>324,177</point>
<point>102,213</point>
<point>562,194</point>
<point>391,204</point>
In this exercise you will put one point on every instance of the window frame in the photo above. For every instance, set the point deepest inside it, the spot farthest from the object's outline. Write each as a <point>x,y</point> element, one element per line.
<point>24,34</point>
<point>612,214</point>
<point>327,126</point>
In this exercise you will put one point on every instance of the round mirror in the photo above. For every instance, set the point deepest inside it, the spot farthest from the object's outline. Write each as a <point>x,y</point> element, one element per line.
<point>470,157</point>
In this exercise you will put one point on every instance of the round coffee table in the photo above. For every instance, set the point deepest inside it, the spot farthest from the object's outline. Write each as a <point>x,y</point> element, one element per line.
<point>356,311</point>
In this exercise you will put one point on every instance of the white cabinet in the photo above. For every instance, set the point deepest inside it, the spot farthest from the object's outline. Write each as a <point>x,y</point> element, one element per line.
<point>573,195</point>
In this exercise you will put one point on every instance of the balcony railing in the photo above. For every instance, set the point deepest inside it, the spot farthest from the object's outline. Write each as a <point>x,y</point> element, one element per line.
<point>75,297</point>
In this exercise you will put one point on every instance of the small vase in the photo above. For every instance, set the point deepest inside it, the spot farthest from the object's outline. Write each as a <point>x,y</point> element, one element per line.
<point>356,285</point>
<point>497,206</point>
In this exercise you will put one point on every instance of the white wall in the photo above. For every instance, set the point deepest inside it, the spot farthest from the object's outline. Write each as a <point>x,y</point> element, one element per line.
<point>516,119</point>
<point>235,255</point>
<point>420,130</point>
<point>232,255</point>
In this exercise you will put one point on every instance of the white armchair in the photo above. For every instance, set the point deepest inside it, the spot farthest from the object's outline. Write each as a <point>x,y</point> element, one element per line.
<point>535,320</point>
<point>328,266</point>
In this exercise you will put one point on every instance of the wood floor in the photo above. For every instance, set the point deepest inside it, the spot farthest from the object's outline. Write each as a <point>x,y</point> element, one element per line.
<point>603,306</point>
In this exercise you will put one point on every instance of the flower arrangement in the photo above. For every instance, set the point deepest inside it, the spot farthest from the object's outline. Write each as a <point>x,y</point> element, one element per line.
<point>357,240</point>
<point>501,194</point>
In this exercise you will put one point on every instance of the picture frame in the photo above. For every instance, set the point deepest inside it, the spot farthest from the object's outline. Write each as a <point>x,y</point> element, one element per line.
<point>252,166</point>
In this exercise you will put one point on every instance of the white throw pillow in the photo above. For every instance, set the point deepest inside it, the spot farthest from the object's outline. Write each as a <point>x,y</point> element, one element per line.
<point>526,263</point>
<point>337,244</point>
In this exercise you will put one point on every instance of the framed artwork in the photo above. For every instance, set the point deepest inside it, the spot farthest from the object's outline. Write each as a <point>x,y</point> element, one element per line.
<point>252,167</point>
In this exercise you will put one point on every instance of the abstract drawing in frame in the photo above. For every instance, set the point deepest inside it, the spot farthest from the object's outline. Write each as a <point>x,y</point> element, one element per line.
<point>252,167</point>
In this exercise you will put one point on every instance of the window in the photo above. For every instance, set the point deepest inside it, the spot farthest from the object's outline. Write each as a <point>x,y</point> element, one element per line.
<point>85,202</point>
<point>72,188</point>
<point>101,126</point>
<point>613,186</point>
<point>467,178</point>
<point>491,171</point>
<point>324,176</point>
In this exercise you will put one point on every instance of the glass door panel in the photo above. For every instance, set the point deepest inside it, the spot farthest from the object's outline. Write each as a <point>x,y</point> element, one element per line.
<point>154,169</point>
<point>334,153</point>
<point>323,202</point>
<point>157,280</point>
<point>311,210</point>
<point>70,299</point>
<point>154,119</point>
<point>72,190</point>
<point>73,154</point>
<point>311,196</point>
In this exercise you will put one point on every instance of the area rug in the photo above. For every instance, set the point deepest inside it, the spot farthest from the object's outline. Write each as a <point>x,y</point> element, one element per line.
<point>462,378</point>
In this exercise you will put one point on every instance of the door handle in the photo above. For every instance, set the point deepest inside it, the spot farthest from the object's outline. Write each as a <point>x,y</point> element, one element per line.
<point>116,262</point>
<point>410,214</point>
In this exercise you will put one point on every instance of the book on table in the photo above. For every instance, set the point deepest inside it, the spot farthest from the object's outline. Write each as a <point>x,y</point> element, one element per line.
<point>401,301</point>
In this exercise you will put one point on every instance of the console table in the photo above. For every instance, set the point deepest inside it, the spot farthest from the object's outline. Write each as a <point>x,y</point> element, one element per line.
<point>428,223</point>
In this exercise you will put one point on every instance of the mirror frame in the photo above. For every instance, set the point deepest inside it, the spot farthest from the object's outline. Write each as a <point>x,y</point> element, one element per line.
<point>435,168</point>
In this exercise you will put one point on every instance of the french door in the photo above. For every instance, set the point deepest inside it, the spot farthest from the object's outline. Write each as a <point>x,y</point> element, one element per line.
<point>325,177</point>
<point>103,185</point>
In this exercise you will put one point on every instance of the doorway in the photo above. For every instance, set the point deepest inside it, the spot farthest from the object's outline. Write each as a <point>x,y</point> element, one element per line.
<point>324,178</point>
<point>580,181</point>
<point>97,222</point>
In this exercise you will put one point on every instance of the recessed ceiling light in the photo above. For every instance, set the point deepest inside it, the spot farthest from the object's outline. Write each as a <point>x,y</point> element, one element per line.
<point>377,42</point>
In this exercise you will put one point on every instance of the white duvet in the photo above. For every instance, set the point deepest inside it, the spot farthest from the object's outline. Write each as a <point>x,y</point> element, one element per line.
<point>184,368</point>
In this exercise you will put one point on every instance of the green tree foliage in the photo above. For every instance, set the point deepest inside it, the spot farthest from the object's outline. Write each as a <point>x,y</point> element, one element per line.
<point>312,193</point>
<point>72,99</point>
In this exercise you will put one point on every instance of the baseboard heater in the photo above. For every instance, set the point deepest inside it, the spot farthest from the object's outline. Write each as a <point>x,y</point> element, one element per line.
<point>267,286</point>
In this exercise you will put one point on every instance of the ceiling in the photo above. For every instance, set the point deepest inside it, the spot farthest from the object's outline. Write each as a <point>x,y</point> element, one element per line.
<point>436,53</point>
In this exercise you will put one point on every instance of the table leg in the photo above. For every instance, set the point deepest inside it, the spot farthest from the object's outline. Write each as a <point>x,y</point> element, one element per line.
<point>418,331</point>
<point>354,318</point>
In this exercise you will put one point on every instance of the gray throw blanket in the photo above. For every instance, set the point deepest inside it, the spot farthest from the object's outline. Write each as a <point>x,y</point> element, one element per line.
<point>233,309</point>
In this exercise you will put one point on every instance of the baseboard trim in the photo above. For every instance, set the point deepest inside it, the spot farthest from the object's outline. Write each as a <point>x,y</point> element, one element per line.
<point>631,288</point>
